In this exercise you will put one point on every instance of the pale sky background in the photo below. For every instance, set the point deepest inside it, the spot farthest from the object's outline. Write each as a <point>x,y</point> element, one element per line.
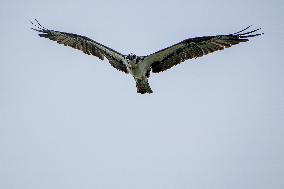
<point>70,121</point>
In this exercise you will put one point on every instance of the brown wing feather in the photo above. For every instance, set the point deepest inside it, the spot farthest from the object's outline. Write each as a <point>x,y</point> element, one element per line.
<point>84,44</point>
<point>194,48</point>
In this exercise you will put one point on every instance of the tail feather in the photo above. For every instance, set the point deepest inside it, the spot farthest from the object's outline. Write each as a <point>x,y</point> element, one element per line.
<point>143,86</point>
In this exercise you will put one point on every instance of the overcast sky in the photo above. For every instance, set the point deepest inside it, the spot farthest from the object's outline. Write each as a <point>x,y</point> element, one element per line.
<point>68,120</point>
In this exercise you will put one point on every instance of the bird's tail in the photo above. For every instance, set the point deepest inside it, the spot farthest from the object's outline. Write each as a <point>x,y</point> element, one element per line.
<point>143,86</point>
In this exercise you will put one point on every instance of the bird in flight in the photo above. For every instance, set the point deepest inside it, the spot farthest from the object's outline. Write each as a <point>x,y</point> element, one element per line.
<point>141,66</point>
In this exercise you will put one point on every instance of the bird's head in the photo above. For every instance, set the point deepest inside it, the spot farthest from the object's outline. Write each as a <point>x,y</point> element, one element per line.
<point>131,56</point>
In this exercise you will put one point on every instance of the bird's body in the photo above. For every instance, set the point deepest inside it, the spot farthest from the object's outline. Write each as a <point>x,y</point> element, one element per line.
<point>137,67</point>
<point>141,66</point>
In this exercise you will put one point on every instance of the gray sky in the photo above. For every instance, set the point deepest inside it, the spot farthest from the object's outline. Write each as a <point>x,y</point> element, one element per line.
<point>71,121</point>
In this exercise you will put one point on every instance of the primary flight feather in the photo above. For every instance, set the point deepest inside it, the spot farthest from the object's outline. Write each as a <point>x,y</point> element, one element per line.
<point>141,66</point>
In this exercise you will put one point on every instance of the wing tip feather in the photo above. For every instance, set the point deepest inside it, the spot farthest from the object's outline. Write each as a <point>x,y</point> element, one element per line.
<point>243,35</point>
<point>36,26</point>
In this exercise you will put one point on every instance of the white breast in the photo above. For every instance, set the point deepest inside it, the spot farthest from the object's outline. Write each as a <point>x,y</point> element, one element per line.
<point>138,70</point>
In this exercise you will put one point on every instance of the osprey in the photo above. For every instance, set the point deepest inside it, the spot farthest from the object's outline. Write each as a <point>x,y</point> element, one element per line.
<point>141,66</point>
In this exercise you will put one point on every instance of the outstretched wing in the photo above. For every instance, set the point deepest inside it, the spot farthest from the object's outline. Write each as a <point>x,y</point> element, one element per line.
<point>87,45</point>
<point>195,47</point>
